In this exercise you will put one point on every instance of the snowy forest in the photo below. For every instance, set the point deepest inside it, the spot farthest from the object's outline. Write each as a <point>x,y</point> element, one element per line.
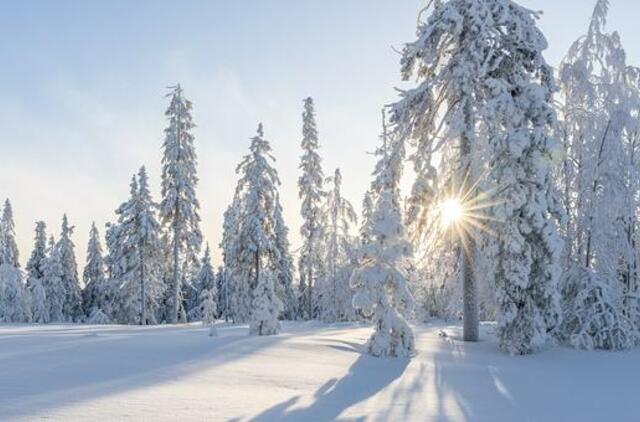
<point>523,208</point>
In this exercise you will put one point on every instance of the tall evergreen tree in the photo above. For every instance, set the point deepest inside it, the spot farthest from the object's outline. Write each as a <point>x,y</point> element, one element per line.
<point>39,301</point>
<point>95,294</point>
<point>115,268</point>
<point>179,209</point>
<point>522,152</point>
<point>311,193</point>
<point>38,255</point>
<point>238,303</point>
<point>253,247</point>
<point>14,297</point>
<point>443,111</point>
<point>35,275</point>
<point>54,290</point>
<point>371,195</point>
<point>283,266</point>
<point>122,262</point>
<point>135,250</point>
<point>380,281</point>
<point>489,97</point>
<point>334,293</point>
<point>148,243</point>
<point>205,281</point>
<point>224,294</point>
<point>72,306</point>
<point>8,246</point>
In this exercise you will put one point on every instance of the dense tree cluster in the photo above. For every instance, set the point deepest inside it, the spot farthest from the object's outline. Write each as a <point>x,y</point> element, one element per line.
<point>524,208</point>
<point>492,128</point>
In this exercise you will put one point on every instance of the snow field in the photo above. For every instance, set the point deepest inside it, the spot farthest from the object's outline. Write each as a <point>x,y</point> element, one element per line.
<point>309,372</point>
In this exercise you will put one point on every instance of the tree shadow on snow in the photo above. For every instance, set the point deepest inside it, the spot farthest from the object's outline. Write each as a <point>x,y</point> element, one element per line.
<point>484,384</point>
<point>56,370</point>
<point>366,377</point>
<point>468,382</point>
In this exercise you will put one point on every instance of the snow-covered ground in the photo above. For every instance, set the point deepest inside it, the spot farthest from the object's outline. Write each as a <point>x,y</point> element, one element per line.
<point>309,372</point>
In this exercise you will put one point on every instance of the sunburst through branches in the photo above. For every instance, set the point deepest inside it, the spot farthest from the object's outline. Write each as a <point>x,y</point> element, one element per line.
<point>463,211</point>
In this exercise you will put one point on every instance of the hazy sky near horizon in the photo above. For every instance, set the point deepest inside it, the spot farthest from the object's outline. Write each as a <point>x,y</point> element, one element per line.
<point>83,87</point>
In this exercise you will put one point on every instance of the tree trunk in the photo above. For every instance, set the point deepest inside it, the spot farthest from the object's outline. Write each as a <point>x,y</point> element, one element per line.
<point>257,269</point>
<point>309,301</point>
<point>226,295</point>
<point>469,293</point>
<point>470,327</point>
<point>176,275</point>
<point>176,243</point>
<point>143,294</point>
<point>310,276</point>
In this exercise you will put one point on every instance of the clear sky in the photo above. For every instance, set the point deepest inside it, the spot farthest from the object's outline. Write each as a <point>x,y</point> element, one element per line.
<point>83,85</point>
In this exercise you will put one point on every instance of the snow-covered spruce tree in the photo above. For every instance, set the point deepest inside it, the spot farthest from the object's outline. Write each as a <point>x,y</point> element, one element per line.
<point>35,275</point>
<point>121,261</point>
<point>39,305</point>
<point>54,290</point>
<point>187,275</point>
<point>380,281</point>
<point>599,129</point>
<point>8,246</point>
<point>136,255</point>
<point>224,294</point>
<point>14,297</point>
<point>283,266</point>
<point>254,247</point>
<point>334,293</point>
<point>225,288</point>
<point>205,280</point>
<point>311,193</point>
<point>441,115</point>
<point>165,313</point>
<point>522,153</point>
<point>208,310</point>
<point>114,268</point>
<point>491,91</point>
<point>367,212</point>
<point>38,255</point>
<point>179,209</point>
<point>379,175</point>
<point>593,317</point>
<point>72,306</point>
<point>266,307</point>
<point>239,309</point>
<point>238,303</point>
<point>190,293</point>
<point>147,239</point>
<point>95,295</point>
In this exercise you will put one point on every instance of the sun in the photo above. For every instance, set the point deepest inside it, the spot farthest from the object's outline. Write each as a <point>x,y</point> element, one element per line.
<point>462,210</point>
<point>452,211</point>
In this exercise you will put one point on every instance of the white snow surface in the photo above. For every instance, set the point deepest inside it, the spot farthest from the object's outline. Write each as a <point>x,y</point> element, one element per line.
<point>309,372</point>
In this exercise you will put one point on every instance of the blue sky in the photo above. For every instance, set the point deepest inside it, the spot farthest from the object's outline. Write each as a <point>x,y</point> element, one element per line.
<point>83,87</point>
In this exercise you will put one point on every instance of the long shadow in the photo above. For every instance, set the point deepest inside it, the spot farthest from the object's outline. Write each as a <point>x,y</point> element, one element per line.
<point>465,385</point>
<point>552,384</point>
<point>55,370</point>
<point>454,381</point>
<point>411,393</point>
<point>366,377</point>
